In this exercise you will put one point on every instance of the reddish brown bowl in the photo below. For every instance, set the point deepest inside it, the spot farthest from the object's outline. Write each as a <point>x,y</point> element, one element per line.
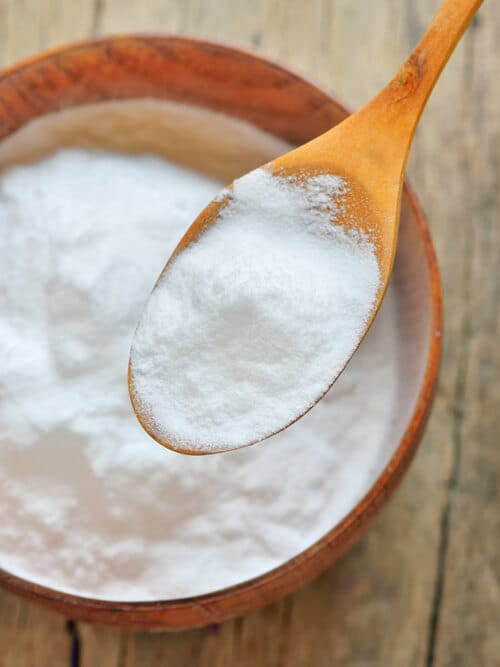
<point>282,103</point>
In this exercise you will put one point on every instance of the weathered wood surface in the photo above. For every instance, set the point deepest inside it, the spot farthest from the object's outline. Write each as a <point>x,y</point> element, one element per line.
<point>423,588</point>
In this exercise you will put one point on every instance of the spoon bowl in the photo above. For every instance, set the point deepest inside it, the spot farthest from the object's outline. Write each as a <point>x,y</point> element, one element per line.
<point>369,151</point>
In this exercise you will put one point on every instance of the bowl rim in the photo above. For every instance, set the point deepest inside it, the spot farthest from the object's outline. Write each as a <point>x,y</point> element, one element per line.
<point>341,536</point>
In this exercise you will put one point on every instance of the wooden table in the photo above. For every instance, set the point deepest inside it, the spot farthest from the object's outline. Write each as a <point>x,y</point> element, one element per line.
<point>423,587</point>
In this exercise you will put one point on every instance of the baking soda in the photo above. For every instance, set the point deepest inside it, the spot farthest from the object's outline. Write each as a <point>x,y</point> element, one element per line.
<point>252,321</point>
<point>89,504</point>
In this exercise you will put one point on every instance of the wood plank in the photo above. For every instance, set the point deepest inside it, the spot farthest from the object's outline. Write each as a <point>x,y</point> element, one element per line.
<point>101,646</point>
<point>468,630</point>
<point>31,636</point>
<point>125,16</point>
<point>30,26</point>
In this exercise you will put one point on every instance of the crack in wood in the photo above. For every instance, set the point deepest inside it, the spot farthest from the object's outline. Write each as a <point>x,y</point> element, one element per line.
<point>75,644</point>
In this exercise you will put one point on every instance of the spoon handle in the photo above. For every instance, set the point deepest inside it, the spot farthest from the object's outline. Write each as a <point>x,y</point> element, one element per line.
<point>402,101</point>
<point>374,142</point>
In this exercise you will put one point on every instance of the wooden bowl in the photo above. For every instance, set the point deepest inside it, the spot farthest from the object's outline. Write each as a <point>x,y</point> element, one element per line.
<point>282,103</point>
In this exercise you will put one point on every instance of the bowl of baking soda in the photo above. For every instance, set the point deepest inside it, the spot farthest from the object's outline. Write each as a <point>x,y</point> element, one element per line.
<point>108,151</point>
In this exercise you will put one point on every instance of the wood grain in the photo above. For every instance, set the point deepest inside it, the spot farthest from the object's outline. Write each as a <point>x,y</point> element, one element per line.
<point>31,636</point>
<point>422,588</point>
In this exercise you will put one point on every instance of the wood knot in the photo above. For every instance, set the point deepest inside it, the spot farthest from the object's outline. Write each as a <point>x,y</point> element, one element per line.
<point>409,78</point>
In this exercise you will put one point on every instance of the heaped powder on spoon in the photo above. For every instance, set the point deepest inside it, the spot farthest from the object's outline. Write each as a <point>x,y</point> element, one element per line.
<point>89,504</point>
<point>250,323</point>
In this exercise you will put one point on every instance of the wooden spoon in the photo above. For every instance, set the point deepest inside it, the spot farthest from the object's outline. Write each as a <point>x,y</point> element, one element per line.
<point>369,151</point>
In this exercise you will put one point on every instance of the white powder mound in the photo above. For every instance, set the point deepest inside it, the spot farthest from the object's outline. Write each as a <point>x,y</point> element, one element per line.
<point>251,323</point>
<point>88,503</point>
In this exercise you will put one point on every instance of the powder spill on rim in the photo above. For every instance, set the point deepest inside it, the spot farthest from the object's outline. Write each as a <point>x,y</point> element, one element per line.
<point>89,504</point>
<point>250,323</point>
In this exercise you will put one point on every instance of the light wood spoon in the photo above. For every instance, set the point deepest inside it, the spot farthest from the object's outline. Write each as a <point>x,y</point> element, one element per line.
<point>369,151</point>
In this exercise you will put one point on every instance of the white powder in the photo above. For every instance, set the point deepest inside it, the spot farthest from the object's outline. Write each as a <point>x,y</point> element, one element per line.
<point>249,325</point>
<point>88,503</point>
